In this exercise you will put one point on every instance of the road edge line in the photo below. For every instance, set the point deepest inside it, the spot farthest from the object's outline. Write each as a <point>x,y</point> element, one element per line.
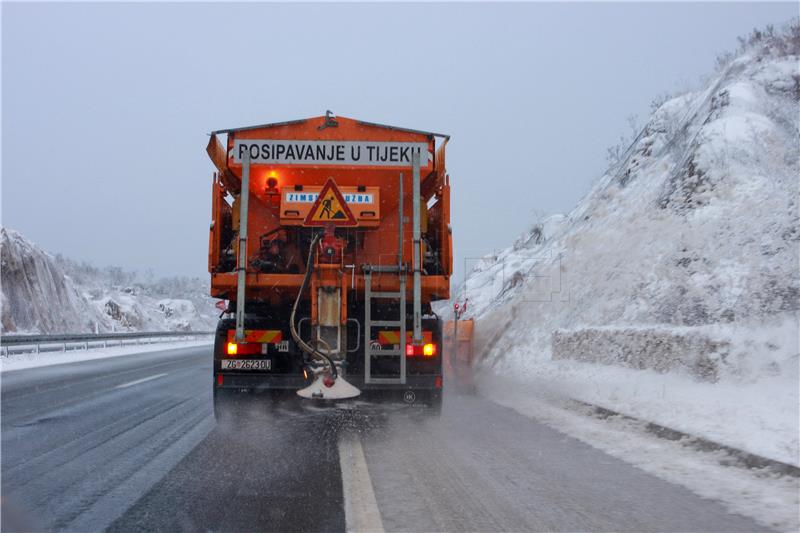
<point>360,506</point>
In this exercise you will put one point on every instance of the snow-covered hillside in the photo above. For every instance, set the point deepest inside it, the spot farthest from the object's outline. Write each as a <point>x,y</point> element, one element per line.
<point>695,233</point>
<point>46,294</point>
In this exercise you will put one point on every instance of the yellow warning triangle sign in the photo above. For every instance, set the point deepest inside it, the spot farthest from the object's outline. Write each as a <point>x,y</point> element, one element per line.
<point>330,208</point>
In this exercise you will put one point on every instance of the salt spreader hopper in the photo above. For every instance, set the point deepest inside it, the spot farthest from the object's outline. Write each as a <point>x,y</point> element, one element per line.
<point>330,237</point>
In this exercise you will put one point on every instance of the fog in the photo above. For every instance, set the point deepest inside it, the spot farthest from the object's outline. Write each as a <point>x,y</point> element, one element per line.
<point>106,107</point>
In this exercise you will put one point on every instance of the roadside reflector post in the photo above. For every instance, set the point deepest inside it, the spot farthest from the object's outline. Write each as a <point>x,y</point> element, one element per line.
<point>241,266</point>
<point>417,336</point>
<point>454,352</point>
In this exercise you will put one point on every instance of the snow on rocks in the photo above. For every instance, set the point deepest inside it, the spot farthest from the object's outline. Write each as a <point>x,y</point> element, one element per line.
<point>685,251</point>
<point>46,294</point>
<point>37,296</point>
<point>661,350</point>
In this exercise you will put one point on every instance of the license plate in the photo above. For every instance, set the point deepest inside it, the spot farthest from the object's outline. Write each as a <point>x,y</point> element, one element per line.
<point>246,364</point>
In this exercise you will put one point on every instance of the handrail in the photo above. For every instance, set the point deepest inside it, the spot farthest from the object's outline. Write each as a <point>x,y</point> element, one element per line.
<point>80,337</point>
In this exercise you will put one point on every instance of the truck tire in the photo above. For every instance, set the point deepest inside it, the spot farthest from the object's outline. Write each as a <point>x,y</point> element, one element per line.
<point>241,404</point>
<point>224,405</point>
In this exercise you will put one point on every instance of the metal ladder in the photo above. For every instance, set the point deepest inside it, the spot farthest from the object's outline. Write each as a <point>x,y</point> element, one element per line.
<point>400,324</point>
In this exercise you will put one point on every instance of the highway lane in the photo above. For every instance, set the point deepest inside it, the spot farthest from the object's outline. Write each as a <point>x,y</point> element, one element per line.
<point>483,467</point>
<point>272,470</point>
<point>82,441</point>
<point>130,444</point>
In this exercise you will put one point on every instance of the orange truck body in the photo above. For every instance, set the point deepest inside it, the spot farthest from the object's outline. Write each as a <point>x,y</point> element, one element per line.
<point>459,353</point>
<point>365,251</point>
<point>377,225</point>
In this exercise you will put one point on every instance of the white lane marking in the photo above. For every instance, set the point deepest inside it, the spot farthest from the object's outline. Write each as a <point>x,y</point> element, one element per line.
<point>132,383</point>
<point>361,512</point>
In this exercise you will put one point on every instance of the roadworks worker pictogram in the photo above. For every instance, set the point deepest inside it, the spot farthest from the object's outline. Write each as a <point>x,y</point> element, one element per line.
<point>330,208</point>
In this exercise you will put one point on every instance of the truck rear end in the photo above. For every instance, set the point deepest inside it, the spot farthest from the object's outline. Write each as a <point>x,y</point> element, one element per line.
<point>330,237</point>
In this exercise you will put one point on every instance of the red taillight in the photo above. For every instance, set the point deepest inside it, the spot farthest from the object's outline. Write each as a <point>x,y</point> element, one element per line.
<point>254,347</point>
<point>219,380</point>
<point>424,350</point>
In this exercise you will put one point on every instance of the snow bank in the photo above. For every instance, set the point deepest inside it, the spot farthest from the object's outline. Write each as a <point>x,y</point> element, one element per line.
<point>755,409</point>
<point>771,500</point>
<point>682,258</point>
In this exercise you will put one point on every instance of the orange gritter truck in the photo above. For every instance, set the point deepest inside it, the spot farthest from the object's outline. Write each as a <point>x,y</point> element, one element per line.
<point>329,239</point>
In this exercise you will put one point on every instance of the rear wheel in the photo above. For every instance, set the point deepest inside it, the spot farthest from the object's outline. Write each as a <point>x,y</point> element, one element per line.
<point>236,404</point>
<point>225,407</point>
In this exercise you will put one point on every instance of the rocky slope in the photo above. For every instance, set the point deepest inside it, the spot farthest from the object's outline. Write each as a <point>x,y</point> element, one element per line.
<point>696,227</point>
<point>46,294</point>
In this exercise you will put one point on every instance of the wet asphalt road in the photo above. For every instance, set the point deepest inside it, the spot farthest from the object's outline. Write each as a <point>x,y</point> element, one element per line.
<point>130,444</point>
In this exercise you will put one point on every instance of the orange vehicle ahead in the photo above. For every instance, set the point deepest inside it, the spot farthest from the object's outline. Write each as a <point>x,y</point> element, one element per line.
<point>459,354</point>
<point>329,239</point>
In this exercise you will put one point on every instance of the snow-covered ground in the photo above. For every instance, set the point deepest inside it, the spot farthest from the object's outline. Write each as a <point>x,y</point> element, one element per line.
<point>20,361</point>
<point>761,418</point>
<point>695,234</point>
<point>754,406</point>
<point>769,499</point>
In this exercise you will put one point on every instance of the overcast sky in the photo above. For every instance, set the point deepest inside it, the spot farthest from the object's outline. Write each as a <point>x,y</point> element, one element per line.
<point>106,107</point>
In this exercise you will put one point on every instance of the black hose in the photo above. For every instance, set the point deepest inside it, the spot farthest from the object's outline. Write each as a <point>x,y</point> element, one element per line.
<point>300,342</point>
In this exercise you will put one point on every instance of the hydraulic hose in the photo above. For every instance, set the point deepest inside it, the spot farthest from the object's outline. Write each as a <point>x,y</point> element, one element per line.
<point>300,342</point>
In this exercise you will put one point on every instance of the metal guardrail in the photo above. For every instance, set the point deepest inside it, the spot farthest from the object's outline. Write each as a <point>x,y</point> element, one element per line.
<point>73,341</point>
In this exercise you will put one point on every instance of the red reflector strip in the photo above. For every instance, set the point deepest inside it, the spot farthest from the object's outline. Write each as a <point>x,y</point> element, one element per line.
<point>219,380</point>
<point>267,336</point>
<point>438,382</point>
<point>254,338</point>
